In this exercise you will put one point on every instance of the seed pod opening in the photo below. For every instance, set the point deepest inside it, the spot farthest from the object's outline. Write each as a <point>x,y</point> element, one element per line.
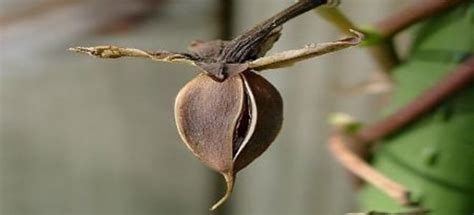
<point>228,124</point>
<point>266,117</point>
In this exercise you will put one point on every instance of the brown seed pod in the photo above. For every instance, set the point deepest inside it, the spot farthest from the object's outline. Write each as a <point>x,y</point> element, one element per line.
<point>229,115</point>
<point>228,124</point>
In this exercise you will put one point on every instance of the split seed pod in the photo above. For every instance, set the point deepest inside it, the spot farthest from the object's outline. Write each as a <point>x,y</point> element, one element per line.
<point>228,124</point>
<point>229,115</point>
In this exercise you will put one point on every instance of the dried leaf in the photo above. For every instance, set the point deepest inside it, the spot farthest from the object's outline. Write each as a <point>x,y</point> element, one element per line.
<point>117,52</point>
<point>288,58</point>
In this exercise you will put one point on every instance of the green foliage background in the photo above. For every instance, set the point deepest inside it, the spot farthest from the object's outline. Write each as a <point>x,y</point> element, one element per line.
<point>433,157</point>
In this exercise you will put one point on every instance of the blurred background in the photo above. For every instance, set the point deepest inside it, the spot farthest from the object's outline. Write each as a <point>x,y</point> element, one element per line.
<point>84,136</point>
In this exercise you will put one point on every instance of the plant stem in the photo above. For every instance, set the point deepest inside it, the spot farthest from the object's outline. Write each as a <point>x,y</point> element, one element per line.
<point>460,78</point>
<point>337,18</point>
<point>385,53</point>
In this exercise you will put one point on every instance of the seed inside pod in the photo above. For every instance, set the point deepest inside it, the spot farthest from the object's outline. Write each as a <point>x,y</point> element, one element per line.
<point>228,124</point>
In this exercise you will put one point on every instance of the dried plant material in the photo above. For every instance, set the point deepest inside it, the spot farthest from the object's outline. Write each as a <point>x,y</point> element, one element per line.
<point>271,39</point>
<point>228,124</point>
<point>207,49</point>
<point>218,71</point>
<point>288,58</point>
<point>118,52</point>
<point>231,115</point>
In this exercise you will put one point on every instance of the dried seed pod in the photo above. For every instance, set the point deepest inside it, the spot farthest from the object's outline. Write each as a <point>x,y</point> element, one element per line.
<point>228,124</point>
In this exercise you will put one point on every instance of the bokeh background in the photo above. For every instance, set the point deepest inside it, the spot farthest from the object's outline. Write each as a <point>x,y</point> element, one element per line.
<point>83,136</point>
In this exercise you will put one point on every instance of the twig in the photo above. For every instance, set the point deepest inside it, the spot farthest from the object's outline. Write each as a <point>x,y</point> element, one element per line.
<point>463,76</point>
<point>360,168</point>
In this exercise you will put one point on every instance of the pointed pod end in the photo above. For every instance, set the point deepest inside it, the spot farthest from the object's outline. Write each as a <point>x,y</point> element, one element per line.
<point>229,179</point>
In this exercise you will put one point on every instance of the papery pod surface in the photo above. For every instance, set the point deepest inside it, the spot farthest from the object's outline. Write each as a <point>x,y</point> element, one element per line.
<point>228,124</point>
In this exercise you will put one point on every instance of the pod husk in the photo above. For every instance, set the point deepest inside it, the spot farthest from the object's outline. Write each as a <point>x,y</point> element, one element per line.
<point>207,115</point>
